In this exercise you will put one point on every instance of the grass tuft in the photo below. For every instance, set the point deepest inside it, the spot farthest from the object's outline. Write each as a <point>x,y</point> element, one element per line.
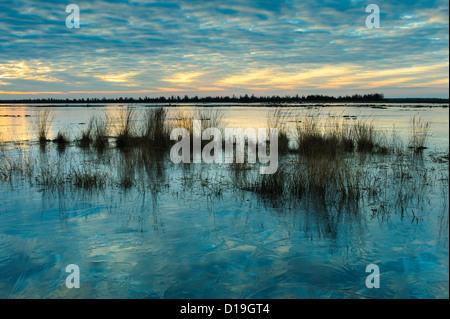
<point>420,132</point>
<point>44,119</point>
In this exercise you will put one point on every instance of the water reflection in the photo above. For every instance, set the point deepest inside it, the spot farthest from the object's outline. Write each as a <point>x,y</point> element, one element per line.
<point>140,226</point>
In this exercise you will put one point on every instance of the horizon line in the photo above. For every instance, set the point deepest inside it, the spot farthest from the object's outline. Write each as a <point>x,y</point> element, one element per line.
<point>244,98</point>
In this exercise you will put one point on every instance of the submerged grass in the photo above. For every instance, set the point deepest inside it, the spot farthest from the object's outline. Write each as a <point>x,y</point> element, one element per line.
<point>88,178</point>
<point>21,166</point>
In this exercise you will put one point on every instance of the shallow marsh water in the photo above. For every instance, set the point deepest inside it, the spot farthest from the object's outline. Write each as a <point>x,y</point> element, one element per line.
<point>184,231</point>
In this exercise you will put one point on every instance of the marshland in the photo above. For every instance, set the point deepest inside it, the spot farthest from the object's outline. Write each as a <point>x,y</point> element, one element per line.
<point>95,186</point>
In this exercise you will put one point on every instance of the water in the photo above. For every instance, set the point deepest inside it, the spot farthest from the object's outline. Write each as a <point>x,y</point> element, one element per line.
<point>17,121</point>
<point>186,232</point>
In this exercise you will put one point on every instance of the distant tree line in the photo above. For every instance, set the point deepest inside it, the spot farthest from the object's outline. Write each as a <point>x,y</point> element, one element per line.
<point>376,97</point>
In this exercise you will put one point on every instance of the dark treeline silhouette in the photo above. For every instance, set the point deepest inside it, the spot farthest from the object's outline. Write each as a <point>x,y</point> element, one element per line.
<point>376,97</point>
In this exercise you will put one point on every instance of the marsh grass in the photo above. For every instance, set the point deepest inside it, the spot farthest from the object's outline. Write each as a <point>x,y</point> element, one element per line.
<point>313,141</point>
<point>50,175</point>
<point>364,133</point>
<point>320,174</point>
<point>153,133</point>
<point>126,135</point>
<point>420,132</point>
<point>44,118</point>
<point>397,185</point>
<point>88,178</point>
<point>278,120</point>
<point>210,117</point>
<point>273,185</point>
<point>19,165</point>
<point>397,146</point>
<point>343,134</point>
<point>323,167</point>
<point>100,139</point>
<point>156,129</point>
<point>350,181</point>
<point>322,164</point>
<point>61,140</point>
<point>126,166</point>
<point>183,119</point>
<point>312,179</point>
<point>86,137</point>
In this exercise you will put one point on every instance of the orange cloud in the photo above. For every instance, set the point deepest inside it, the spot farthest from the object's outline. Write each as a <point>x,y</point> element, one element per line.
<point>28,71</point>
<point>335,77</point>
<point>34,93</point>
<point>212,88</point>
<point>118,78</point>
<point>183,77</point>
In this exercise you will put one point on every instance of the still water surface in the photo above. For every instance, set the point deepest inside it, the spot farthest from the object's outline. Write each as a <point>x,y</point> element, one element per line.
<point>191,235</point>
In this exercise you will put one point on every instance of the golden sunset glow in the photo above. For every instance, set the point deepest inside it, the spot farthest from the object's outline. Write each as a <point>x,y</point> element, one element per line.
<point>119,78</point>
<point>183,77</point>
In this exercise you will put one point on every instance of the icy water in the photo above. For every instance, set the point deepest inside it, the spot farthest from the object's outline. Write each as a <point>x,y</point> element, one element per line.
<point>184,231</point>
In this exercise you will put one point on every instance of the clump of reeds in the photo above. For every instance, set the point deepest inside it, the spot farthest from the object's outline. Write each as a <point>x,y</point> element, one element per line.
<point>100,133</point>
<point>278,120</point>
<point>61,140</point>
<point>156,132</point>
<point>86,137</point>
<point>183,119</point>
<point>323,169</point>
<point>365,136</point>
<point>368,140</point>
<point>313,142</point>
<point>420,132</point>
<point>343,133</point>
<point>126,135</point>
<point>44,119</point>
<point>210,117</point>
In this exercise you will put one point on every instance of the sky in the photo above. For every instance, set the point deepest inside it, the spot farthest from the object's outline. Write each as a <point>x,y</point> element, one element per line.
<point>218,48</point>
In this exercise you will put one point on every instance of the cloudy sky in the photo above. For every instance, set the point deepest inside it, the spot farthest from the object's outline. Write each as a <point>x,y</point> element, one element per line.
<point>197,47</point>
